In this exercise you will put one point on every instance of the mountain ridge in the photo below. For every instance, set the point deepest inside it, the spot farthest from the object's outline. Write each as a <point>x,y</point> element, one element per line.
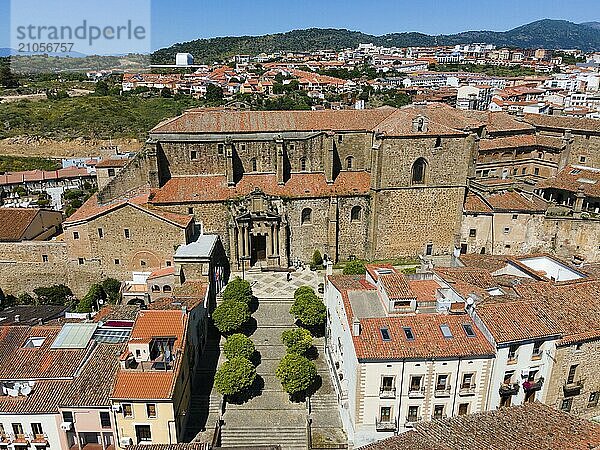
<point>545,33</point>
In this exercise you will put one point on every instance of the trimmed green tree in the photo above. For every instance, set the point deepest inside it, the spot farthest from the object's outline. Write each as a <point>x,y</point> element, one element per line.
<point>58,294</point>
<point>230,316</point>
<point>317,260</point>
<point>91,300</point>
<point>112,289</point>
<point>309,310</point>
<point>238,290</point>
<point>297,341</point>
<point>235,376</point>
<point>303,290</point>
<point>296,373</point>
<point>238,345</point>
<point>355,267</point>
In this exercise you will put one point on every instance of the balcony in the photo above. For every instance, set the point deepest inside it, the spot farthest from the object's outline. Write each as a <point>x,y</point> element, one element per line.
<point>530,386</point>
<point>509,389</point>
<point>467,389</point>
<point>410,420</point>
<point>442,391</point>
<point>383,425</point>
<point>439,416</point>
<point>573,388</point>
<point>416,392</point>
<point>387,392</point>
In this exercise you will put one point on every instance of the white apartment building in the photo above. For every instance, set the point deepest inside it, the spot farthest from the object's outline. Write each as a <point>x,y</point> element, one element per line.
<point>400,351</point>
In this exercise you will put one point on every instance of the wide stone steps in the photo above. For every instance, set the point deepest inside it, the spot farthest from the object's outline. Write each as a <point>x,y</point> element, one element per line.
<point>291,438</point>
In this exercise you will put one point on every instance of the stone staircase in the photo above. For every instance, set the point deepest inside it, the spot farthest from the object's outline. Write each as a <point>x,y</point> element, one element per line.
<point>292,438</point>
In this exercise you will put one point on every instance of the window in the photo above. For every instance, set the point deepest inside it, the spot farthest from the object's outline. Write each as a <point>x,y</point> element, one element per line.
<point>438,412</point>
<point>80,261</point>
<point>349,162</point>
<point>582,159</point>
<point>220,149</point>
<point>340,138</point>
<point>355,214</point>
<point>572,373</point>
<point>566,404</point>
<point>306,216</point>
<point>469,330</point>
<point>105,419</point>
<point>151,410</point>
<point>387,384</point>
<point>505,400</point>
<point>193,155</point>
<point>463,408</point>
<point>34,342</point>
<point>536,171</point>
<point>168,263</point>
<point>593,399</point>
<point>385,414</point>
<point>67,416</point>
<point>506,230</point>
<point>413,414</point>
<point>142,263</point>
<point>117,262</point>
<point>512,353</point>
<point>100,233</point>
<point>303,164</point>
<point>467,381</point>
<point>155,288</point>
<point>143,433</point>
<point>126,233</point>
<point>537,350</point>
<point>515,216</point>
<point>167,288</point>
<point>385,334</point>
<point>446,331</point>
<point>408,332</point>
<point>253,165</point>
<point>438,142</point>
<point>111,172</point>
<point>291,146</point>
<point>523,170</point>
<point>429,250</point>
<point>45,258</point>
<point>418,171</point>
<point>17,429</point>
<point>127,410</point>
<point>75,235</point>
<point>415,383</point>
<point>190,210</point>
<point>473,232</point>
<point>243,147</point>
<point>442,383</point>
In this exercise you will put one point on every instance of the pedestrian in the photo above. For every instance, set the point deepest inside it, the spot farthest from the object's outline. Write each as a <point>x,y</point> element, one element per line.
<point>289,276</point>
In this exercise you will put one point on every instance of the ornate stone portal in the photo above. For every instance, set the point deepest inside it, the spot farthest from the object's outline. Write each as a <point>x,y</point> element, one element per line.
<point>258,231</point>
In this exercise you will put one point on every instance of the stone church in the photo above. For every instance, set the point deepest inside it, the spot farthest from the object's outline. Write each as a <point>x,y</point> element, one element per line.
<point>276,185</point>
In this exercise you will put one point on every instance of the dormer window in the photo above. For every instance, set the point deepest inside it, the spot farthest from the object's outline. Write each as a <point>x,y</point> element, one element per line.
<point>408,332</point>
<point>34,342</point>
<point>469,330</point>
<point>385,334</point>
<point>446,331</point>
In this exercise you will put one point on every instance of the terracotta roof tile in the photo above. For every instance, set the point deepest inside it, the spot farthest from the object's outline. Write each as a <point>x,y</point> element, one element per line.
<point>563,122</point>
<point>149,385</point>
<point>213,188</point>
<point>45,397</point>
<point>474,203</point>
<point>396,286</point>
<point>516,201</point>
<point>9,178</point>
<point>14,222</point>
<point>112,162</point>
<point>425,290</point>
<point>532,425</point>
<point>572,178</point>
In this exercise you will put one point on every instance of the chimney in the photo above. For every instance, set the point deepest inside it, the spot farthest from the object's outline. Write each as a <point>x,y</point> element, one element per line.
<point>355,327</point>
<point>17,317</point>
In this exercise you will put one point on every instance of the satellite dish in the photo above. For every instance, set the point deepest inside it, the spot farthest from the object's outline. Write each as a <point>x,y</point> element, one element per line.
<point>470,300</point>
<point>26,390</point>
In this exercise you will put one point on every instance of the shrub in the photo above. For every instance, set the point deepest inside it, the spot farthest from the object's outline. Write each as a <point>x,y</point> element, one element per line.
<point>296,373</point>
<point>91,300</point>
<point>309,310</point>
<point>235,376</point>
<point>238,345</point>
<point>317,260</point>
<point>238,290</point>
<point>230,316</point>
<point>112,289</point>
<point>355,267</point>
<point>58,294</point>
<point>297,341</point>
<point>303,290</point>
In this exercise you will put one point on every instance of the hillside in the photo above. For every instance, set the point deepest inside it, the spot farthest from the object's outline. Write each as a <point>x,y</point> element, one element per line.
<point>551,34</point>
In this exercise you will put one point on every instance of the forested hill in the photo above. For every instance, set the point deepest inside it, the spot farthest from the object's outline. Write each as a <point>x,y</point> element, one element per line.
<point>550,34</point>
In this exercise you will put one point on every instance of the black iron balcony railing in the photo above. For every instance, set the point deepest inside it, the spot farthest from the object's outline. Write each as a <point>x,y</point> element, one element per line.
<point>387,392</point>
<point>386,425</point>
<point>573,388</point>
<point>509,388</point>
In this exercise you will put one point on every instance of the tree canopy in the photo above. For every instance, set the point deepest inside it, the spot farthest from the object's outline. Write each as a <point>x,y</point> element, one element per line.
<point>235,376</point>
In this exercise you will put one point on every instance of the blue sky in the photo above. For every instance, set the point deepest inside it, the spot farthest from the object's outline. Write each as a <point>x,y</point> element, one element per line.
<point>182,20</point>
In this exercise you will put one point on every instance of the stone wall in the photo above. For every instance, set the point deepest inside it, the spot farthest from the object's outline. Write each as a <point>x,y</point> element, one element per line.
<point>585,356</point>
<point>587,146</point>
<point>150,244</point>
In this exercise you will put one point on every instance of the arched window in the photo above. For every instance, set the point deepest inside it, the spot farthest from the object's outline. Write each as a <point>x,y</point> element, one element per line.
<point>355,214</point>
<point>438,142</point>
<point>418,171</point>
<point>349,162</point>
<point>306,216</point>
<point>253,164</point>
<point>155,288</point>
<point>303,164</point>
<point>167,288</point>
<point>420,124</point>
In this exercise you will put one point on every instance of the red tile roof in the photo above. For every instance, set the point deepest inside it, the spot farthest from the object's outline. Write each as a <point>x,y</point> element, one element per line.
<point>572,178</point>
<point>213,188</point>
<point>112,162</point>
<point>474,203</point>
<point>523,140</point>
<point>41,175</point>
<point>396,286</point>
<point>563,122</point>
<point>14,222</point>
<point>516,201</point>
<point>425,290</point>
